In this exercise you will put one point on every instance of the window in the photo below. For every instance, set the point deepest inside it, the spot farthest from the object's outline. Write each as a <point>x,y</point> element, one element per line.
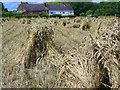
<point>30,12</point>
<point>51,12</point>
<point>63,12</point>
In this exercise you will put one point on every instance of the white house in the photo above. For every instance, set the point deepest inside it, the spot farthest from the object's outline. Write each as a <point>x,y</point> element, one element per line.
<point>63,9</point>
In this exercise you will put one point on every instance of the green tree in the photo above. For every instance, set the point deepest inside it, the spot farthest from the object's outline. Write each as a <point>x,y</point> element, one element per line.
<point>45,14</point>
<point>99,12</point>
<point>82,14</point>
<point>80,7</point>
<point>77,6</point>
<point>53,2</point>
<point>6,10</point>
<point>89,12</point>
<point>2,6</point>
<point>109,0</point>
<point>118,8</point>
<point>7,14</point>
<point>24,2</point>
<point>94,6</point>
<point>87,6</point>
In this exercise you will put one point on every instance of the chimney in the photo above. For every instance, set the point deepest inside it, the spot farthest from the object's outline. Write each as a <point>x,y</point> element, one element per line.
<point>45,4</point>
<point>64,4</point>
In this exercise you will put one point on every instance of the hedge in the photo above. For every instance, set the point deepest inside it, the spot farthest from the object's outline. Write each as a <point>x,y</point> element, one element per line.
<point>10,14</point>
<point>56,15</point>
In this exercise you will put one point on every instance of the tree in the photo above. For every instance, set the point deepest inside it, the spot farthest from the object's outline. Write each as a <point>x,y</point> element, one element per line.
<point>94,6</point>
<point>24,3</point>
<point>87,6</point>
<point>112,0</point>
<point>99,12</point>
<point>77,6</point>
<point>2,6</point>
<point>82,14</point>
<point>118,8</point>
<point>6,10</point>
<point>53,2</point>
<point>80,7</point>
<point>89,12</point>
<point>45,14</point>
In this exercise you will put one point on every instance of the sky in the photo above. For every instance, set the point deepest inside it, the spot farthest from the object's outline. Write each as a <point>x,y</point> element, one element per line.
<point>13,4</point>
<point>25,0</point>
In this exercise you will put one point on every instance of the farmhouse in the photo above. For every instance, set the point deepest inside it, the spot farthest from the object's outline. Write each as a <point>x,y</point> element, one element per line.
<point>63,9</point>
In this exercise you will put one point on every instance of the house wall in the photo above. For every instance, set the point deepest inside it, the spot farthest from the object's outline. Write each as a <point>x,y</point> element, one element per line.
<point>30,12</point>
<point>37,12</point>
<point>62,12</point>
<point>20,8</point>
<point>33,12</point>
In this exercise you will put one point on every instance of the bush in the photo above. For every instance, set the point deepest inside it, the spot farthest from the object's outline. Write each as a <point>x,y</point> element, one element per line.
<point>45,14</point>
<point>10,14</point>
<point>89,12</point>
<point>18,15</point>
<point>56,15</point>
<point>70,16</point>
<point>7,14</point>
<point>30,15</point>
<point>82,14</point>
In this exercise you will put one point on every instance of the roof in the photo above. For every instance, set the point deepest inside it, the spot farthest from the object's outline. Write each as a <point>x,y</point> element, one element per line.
<point>59,7</point>
<point>34,7</point>
<point>40,7</point>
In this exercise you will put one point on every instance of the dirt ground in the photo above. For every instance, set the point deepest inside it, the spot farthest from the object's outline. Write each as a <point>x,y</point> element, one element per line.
<point>80,52</point>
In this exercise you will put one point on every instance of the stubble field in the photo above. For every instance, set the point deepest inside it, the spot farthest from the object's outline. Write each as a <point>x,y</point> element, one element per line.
<point>80,52</point>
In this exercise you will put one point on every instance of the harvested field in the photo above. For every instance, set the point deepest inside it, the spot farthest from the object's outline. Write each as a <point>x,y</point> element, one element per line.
<point>80,52</point>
